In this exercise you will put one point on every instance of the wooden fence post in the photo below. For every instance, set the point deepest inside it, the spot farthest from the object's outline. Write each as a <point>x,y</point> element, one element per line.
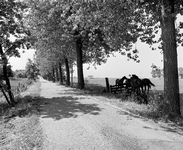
<point>107,84</point>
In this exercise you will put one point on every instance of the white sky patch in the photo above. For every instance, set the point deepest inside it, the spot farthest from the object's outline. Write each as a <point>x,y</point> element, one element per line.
<point>20,63</point>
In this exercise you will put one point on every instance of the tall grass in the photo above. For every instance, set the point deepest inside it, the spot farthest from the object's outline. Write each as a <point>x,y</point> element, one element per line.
<point>18,85</point>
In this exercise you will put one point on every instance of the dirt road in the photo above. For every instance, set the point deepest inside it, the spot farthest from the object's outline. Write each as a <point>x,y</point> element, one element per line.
<point>72,121</point>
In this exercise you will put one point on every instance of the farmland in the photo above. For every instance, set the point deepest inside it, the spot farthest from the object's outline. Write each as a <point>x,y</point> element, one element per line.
<point>156,81</point>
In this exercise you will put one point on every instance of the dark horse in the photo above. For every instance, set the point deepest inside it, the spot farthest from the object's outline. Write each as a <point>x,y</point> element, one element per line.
<point>130,84</point>
<point>141,84</point>
<point>137,83</point>
<point>133,85</point>
<point>120,82</point>
<point>147,84</point>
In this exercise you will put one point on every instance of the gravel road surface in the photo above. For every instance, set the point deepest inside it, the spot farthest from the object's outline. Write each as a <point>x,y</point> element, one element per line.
<point>72,121</point>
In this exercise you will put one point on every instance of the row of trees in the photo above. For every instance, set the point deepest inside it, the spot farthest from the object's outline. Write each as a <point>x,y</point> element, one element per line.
<point>72,32</point>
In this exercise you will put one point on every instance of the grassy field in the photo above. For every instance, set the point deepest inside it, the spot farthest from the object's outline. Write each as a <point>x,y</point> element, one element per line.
<point>19,82</point>
<point>159,83</point>
<point>17,85</point>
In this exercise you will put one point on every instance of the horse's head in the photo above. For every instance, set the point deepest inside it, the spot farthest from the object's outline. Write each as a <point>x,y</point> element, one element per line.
<point>123,78</point>
<point>135,76</point>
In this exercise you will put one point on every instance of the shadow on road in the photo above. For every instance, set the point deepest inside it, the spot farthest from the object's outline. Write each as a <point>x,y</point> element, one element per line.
<point>66,107</point>
<point>56,108</point>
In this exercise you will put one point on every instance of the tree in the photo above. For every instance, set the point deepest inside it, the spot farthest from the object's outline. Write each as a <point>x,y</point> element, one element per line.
<point>51,41</point>
<point>85,21</point>
<point>11,25</point>
<point>81,26</point>
<point>155,15</point>
<point>10,72</point>
<point>156,72</point>
<point>32,71</point>
<point>170,56</point>
<point>20,74</point>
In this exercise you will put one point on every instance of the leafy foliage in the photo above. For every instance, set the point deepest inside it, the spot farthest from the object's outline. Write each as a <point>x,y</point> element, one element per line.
<point>156,72</point>
<point>13,35</point>
<point>20,74</point>
<point>32,71</point>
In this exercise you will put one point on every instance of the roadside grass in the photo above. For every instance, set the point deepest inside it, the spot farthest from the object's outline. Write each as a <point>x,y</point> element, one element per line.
<point>18,85</point>
<point>20,128</point>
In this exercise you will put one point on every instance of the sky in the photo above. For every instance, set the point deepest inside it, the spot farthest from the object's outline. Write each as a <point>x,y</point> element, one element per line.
<point>119,66</point>
<point>115,67</point>
<point>20,63</point>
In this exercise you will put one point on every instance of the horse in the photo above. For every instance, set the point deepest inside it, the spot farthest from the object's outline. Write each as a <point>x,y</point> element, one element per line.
<point>147,84</point>
<point>137,84</point>
<point>120,82</point>
<point>117,80</point>
<point>132,84</point>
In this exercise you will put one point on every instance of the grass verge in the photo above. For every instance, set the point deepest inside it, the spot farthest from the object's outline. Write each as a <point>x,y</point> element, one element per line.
<point>20,127</point>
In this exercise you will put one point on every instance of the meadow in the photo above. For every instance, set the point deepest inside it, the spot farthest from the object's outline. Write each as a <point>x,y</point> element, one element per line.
<point>158,82</point>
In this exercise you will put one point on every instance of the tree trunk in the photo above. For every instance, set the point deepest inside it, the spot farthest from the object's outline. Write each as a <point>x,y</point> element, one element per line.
<point>67,72</point>
<point>53,74</point>
<point>72,71</point>
<point>6,97</point>
<point>56,72</point>
<point>79,63</point>
<point>60,73</point>
<point>4,60</point>
<point>171,82</point>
